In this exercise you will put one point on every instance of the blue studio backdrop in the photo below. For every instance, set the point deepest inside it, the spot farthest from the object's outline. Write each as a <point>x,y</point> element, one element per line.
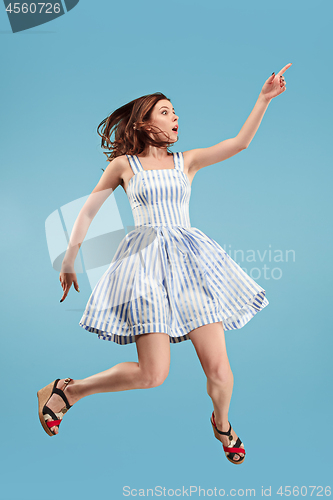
<point>269,207</point>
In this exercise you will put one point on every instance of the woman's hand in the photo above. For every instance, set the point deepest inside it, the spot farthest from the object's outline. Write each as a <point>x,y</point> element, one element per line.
<point>66,280</point>
<point>275,84</point>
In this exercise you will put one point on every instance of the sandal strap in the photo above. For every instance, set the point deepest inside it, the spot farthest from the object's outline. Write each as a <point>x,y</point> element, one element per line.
<point>221,432</point>
<point>55,421</point>
<point>60,392</point>
<point>235,449</point>
<point>48,411</point>
<point>63,396</point>
<point>52,423</point>
<point>55,390</point>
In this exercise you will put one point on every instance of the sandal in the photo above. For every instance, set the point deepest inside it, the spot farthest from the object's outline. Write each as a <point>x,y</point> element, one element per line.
<point>234,446</point>
<point>47,417</point>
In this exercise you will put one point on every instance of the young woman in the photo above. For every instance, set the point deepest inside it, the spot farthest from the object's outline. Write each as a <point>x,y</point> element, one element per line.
<point>168,281</point>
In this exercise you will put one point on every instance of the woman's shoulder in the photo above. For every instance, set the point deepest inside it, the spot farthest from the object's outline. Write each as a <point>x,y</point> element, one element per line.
<point>117,166</point>
<point>119,162</point>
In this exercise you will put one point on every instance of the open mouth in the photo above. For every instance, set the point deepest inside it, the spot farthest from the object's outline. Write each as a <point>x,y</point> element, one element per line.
<point>175,129</point>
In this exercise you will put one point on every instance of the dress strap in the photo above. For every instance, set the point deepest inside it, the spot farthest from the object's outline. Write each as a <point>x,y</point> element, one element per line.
<point>135,163</point>
<point>179,161</point>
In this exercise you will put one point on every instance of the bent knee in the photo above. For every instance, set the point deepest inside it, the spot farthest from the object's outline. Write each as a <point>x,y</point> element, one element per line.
<point>154,379</point>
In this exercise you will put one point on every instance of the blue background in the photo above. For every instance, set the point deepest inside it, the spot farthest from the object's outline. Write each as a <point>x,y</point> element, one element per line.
<point>59,81</point>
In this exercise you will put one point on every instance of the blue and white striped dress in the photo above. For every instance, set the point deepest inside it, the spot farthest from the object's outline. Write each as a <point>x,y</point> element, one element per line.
<point>167,276</point>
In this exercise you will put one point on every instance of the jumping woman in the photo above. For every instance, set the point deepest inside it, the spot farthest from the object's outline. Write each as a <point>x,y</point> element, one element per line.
<point>168,281</point>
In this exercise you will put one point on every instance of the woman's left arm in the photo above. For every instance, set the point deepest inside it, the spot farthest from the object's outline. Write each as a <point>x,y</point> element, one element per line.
<point>199,158</point>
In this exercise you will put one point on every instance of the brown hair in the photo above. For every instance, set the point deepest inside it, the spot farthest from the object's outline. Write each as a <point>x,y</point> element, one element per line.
<point>128,124</point>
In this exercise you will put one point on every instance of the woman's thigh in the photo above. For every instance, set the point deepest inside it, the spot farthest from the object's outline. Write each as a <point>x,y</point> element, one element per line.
<point>209,343</point>
<point>154,353</point>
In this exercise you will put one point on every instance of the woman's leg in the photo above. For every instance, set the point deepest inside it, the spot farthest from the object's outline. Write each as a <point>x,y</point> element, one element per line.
<point>209,343</point>
<point>150,370</point>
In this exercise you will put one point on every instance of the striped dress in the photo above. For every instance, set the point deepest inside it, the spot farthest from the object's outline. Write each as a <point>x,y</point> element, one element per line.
<point>167,276</point>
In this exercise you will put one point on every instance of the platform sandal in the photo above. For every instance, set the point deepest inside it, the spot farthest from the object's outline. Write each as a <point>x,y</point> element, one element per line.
<point>47,417</point>
<point>234,446</point>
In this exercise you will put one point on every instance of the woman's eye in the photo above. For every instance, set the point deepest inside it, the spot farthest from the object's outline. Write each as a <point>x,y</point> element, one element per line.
<point>164,111</point>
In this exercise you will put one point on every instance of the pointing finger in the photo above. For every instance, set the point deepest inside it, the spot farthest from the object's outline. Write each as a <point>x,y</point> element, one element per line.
<point>284,69</point>
<point>64,295</point>
<point>65,289</point>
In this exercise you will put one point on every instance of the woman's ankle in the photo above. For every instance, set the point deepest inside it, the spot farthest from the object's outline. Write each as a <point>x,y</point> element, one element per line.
<point>72,392</point>
<point>222,422</point>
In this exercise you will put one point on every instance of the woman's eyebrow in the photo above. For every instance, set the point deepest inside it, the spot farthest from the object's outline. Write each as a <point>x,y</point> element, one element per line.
<point>167,107</point>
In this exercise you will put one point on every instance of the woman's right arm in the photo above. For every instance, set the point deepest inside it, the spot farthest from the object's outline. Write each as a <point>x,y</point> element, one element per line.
<point>110,179</point>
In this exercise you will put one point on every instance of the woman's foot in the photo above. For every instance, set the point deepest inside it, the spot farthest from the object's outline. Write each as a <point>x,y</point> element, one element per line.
<point>226,442</point>
<point>57,405</point>
<point>229,441</point>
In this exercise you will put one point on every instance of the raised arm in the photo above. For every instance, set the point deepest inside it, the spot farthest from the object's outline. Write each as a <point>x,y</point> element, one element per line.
<point>110,179</point>
<point>199,158</point>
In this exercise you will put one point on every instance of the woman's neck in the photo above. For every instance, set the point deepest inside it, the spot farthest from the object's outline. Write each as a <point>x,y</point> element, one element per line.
<point>154,152</point>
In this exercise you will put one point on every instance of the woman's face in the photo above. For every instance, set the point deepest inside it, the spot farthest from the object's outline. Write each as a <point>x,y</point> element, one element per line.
<point>163,116</point>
